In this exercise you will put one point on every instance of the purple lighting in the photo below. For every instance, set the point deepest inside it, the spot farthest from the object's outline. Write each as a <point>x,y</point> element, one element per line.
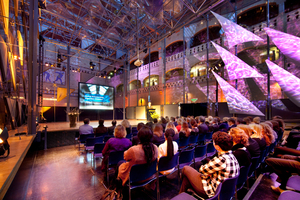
<point>236,102</point>
<point>235,34</point>
<point>236,68</point>
<point>288,44</point>
<point>289,83</point>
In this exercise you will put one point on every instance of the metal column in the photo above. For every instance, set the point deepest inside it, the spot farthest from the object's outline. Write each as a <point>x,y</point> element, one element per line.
<point>32,66</point>
<point>68,82</point>
<point>165,67</point>
<point>149,98</point>
<point>207,63</point>
<point>268,73</point>
<point>183,65</point>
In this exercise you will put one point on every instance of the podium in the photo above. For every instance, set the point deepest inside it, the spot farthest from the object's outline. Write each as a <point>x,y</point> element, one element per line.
<point>149,112</point>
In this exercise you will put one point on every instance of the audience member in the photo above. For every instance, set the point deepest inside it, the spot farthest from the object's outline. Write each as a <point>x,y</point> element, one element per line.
<point>267,133</point>
<point>168,148</point>
<point>247,120</point>
<point>221,167</point>
<point>240,141</point>
<point>214,127</point>
<point>158,134</point>
<point>185,130</point>
<point>171,126</point>
<point>173,121</point>
<point>86,128</point>
<point>256,120</point>
<point>145,152</point>
<point>253,147</point>
<point>194,128</point>
<point>118,143</point>
<point>231,123</point>
<point>155,121</point>
<point>224,125</point>
<point>127,126</point>
<point>202,127</point>
<point>101,129</point>
<point>258,136</point>
<point>135,139</point>
<point>284,166</point>
<point>163,123</point>
<point>111,129</point>
<point>179,122</point>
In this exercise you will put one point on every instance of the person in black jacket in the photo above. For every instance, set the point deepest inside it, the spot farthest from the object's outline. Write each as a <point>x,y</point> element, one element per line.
<point>240,141</point>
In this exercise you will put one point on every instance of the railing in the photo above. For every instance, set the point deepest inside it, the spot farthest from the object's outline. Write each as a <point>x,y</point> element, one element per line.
<point>145,67</point>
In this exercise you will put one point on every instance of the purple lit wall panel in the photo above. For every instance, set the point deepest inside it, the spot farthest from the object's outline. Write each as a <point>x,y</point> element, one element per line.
<point>235,34</point>
<point>236,68</point>
<point>289,83</point>
<point>236,102</point>
<point>288,44</point>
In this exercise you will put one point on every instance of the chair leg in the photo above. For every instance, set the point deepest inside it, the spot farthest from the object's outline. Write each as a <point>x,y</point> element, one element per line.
<point>157,186</point>
<point>129,192</point>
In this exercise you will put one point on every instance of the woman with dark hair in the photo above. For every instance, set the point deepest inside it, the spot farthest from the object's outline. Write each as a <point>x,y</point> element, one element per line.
<point>185,130</point>
<point>145,152</point>
<point>158,134</point>
<point>168,148</point>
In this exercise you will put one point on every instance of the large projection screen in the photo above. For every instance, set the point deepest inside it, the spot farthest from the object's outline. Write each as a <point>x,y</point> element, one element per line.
<point>95,97</point>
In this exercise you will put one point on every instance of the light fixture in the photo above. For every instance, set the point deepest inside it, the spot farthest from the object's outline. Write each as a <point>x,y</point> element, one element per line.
<point>115,69</point>
<point>92,65</point>
<point>59,58</point>
<point>15,57</point>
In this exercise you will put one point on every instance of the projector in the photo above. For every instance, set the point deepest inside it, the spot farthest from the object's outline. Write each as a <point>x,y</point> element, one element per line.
<point>138,62</point>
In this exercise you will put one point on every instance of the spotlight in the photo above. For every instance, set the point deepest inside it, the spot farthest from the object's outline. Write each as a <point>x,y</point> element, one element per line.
<point>115,70</point>
<point>47,64</point>
<point>15,57</point>
<point>78,69</point>
<point>92,65</point>
<point>59,58</point>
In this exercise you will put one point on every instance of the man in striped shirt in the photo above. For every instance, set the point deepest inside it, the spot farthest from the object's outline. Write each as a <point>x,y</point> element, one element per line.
<point>210,175</point>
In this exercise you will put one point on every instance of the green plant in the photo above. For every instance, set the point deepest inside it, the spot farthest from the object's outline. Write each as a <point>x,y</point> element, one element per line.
<point>154,115</point>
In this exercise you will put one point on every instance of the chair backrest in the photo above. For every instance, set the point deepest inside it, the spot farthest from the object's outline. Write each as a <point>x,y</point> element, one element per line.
<point>184,141</point>
<point>193,139</point>
<point>200,151</point>
<point>90,142</point>
<point>210,148</point>
<point>128,136</point>
<point>217,193</point>
<point>142,172</point>
<point>254,164</point>
<point>201,138</point>
<point>165,163</point>
<point>99,147</point>
<point>208,135</point>
<point>244,170</point>
<point>83,137</point>
<point>115,157</point>
<point>186,156</point>
<point>228,188</point>
<point>107,137</point>
<point>99,139</point>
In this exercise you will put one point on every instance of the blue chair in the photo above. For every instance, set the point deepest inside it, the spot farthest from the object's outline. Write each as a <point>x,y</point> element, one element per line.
<point>254,164</point>
<point>200,153</point>
<point>134,130</point>
<point>113,158</point>
<point>242,177</point>
<point>184,196</point>
<point>89,144</point>
<point>129,136</point>
<point>183,142</point>
<point>164,164</point>
<point>289,195</point>
<point>193,139</point>
<point>186,157</point>
<point>208,136</point>
<point>97,153</point>
<point>142,174</point>
<point>228,188</point>
<point>82,139</point>
<point>210,149</point>
<point>201,138</point>
<point>215,197</point>
<point>107,137</point>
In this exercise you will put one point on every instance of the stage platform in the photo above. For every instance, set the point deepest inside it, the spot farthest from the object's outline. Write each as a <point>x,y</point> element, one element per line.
<point>9,166</point>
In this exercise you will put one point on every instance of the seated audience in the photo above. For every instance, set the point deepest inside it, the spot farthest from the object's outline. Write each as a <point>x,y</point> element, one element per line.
<point>145,152</point>
<point>240,141</point>
<point>118,143</point>
<point>210,175</point>
<point>179,122</point>
<point>168,148</point>
<point>253,147</point>
<point>256,120</point>
<point>185,130</point>
<point>86,128</point>
<point>224,125</point>
<point>214,127</point>
<point>135,139</point>
<point>158,134</point>
<point>271,125</point>
<point>194,128</point>
<point>231,123</point>
<point>247,120</point>
<point>284,166</point>
<point>267,133</point>
<point>173,120</point>
<point>127,126</point>
<point>202,127</point>
<point>163,123</point>
<point>101,129</point>
<point>258,136</point>
<point>111,129</point>
<point>172,126</point>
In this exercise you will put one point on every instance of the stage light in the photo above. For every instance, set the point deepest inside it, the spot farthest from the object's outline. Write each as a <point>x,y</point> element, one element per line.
<point>59,58</point>
<point>78,69</point>
<point>15,57</point>
<point>115,70</point>
<point>92,65</point>
<point>47,64</point>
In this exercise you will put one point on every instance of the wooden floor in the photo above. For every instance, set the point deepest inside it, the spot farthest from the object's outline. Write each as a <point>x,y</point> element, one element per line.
<point>9,166</point>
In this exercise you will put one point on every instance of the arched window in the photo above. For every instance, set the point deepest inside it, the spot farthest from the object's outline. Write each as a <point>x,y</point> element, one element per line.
<point>134,84</point>
<point>291,5</point>
<point>154,57</point>
<point>154,80</point>
<point>174,74</point>
<point>120,88</point>
<point>257,14</point>
<point>174,48</point>
<point>200,37</point>
<point>198,70</point>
